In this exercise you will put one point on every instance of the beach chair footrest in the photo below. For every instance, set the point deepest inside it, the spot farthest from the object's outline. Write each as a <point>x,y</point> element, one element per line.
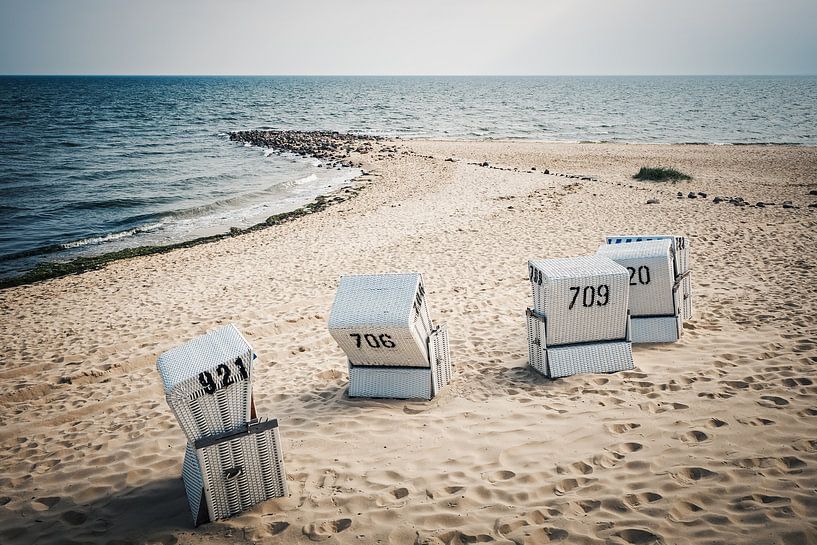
<point>229,473</point>
<point>656,329</point>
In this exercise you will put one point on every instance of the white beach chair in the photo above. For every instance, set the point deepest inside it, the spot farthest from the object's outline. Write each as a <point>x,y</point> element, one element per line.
<point>655,300</point>
<point>382,323</point>
<point>681,261</point>
<point>579,322</point>
<point>228,473</point>
<point>208,382</point>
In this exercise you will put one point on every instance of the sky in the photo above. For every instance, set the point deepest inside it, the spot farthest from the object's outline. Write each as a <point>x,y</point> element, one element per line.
<point>412,37</point>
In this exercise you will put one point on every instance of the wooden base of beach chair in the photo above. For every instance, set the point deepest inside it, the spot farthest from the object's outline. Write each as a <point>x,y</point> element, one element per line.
<point>229,473</point>
<point>572,359</point>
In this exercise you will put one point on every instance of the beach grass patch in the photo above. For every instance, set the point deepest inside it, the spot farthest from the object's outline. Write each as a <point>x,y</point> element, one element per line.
<point>660,174</point>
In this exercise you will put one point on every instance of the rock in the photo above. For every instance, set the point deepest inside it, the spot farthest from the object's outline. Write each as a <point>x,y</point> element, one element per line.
<point>450,160</point>
<point>717,200</point>
<point>813,205</point>
<point>533,168</point>
<point>813,192</point>
<point>484,164</point>
<point>787,204</point>
<point>547,171</point>
<point>702,194</point>
<point>692,195</point>
<point>652,201</point>
<point>761,205</point>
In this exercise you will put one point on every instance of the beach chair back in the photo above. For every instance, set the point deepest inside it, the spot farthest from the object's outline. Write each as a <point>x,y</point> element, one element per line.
<point>583,299</point>
<point>208,382</point>
<point>382,320</point>
<point>681,261</point>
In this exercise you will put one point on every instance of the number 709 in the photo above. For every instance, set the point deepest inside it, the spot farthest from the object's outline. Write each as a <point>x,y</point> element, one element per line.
<point>598,296</point>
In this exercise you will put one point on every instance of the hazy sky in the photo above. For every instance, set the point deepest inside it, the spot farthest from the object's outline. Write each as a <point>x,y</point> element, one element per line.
<point>409,37</point>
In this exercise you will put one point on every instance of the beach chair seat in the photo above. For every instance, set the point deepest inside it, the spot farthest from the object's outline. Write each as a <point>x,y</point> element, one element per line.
<point>228,473</point>
<point>208,382</point>
<point>382,323</point>
<point>579,322</point>
<point>681,260</point>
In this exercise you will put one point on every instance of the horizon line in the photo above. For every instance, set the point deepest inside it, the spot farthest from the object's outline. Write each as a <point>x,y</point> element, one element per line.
<point>94,74</point>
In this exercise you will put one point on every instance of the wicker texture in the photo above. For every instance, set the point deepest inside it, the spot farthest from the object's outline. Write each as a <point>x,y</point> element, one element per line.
<point>439,356</point>
<point>564,360</point>
<point>607,357</point>
<point>652,275</point>
<point>657,329</point>
<point>588,320</point>
<point>382,319</point>
<point>403,382</point>
<point>194,486</point>
<point>536,343</point>
<point>390,382</point>
<point>208,382</point>
<point>681,256</point>
<point>235,471</point>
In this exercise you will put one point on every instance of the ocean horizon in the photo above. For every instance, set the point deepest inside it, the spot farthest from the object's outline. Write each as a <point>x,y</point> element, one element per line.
<point>92,164</point>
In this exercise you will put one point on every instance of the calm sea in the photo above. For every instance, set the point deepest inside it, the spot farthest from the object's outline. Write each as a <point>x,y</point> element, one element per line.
<point>94,164</point>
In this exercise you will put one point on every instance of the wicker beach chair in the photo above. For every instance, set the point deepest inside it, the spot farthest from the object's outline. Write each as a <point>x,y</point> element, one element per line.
<point>228,473</point>
<point>382,323</point>
<point>681,261</point>
<point>208,382</point>
<point>655,301</point>
<point>579,322</point>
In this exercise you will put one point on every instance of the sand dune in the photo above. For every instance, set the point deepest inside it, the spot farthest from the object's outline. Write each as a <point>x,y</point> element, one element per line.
<point>709,440</point>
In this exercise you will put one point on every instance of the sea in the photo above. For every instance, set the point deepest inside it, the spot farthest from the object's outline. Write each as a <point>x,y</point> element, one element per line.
<point>90,165</point>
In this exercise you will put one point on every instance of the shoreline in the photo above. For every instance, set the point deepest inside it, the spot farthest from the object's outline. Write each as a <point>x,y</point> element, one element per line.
<point>323,145</point>
<point>336,148</point>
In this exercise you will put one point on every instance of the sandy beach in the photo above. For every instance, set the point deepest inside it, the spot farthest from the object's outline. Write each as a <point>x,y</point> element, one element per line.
<point>709,440</point>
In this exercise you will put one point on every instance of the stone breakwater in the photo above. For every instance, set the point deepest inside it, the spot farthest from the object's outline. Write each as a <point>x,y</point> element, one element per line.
<point>330,146</point>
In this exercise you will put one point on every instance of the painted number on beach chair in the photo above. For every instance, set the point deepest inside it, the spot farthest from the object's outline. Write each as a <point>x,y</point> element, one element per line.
<point>598,296</point>
<point>383,341</point>
<point>210,386</point>
<point>643,275</point>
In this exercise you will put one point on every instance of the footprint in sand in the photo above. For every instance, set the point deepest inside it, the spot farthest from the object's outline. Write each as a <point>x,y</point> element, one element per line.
<point>772,401</point>
<point>693,474</point>
<point>623,427</point>
<point>500,476</point>
<point>74,518</point>
<point>637,536</point>
<point>694,436</point>
<point>324,530</point>
<point>277,527</point>
<point>400,493</point>
<point>636,500</point>
<point>44,504</point>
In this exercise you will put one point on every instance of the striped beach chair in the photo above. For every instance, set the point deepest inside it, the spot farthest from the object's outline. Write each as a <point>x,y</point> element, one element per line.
<point>681,260</point>
<point>382,323</point>
<point>658,307</point>
<point>232,460</point>
<point>208,382</point>
<point>579,322</point>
